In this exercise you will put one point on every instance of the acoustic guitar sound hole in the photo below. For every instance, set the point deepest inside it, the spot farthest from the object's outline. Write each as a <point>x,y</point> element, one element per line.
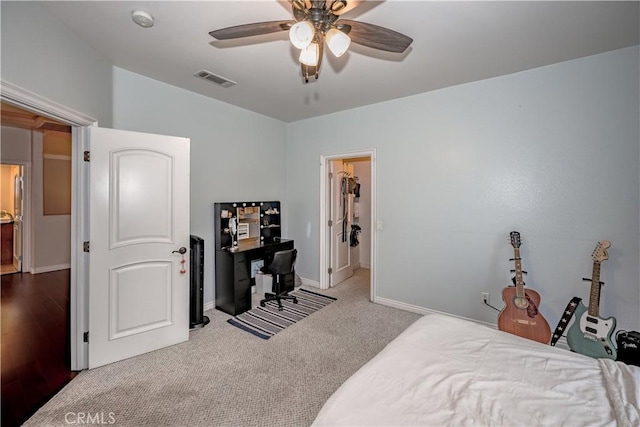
<point>520,302</point>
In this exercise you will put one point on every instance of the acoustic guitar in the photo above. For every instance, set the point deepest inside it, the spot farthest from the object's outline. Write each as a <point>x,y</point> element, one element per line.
<point>520,315</point>
<point>590,334</point>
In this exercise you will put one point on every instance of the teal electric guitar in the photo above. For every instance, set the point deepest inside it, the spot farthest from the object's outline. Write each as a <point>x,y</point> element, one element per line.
<point>590,334</point>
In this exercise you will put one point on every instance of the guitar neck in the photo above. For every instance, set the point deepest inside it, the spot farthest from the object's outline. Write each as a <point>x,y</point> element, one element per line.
<point>594,297</point>
<point>519,281</point>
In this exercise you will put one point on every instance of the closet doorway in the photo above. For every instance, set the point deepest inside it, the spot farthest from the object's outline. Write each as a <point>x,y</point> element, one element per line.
<point>347,241</point>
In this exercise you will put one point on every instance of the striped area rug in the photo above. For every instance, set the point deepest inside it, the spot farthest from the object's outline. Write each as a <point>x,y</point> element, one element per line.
<point>265,322</point>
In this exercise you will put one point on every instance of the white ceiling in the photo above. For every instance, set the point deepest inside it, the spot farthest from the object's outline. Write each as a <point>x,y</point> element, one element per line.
<point>454,43</point>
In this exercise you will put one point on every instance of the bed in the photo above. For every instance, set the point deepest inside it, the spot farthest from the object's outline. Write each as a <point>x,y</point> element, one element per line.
<point>448,371</point>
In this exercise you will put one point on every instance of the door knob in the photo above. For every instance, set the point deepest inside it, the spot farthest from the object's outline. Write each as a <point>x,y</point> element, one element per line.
<point>181,251</point>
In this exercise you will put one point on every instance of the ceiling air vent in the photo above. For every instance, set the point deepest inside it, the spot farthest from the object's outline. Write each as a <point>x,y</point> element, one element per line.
<point>209,76</point>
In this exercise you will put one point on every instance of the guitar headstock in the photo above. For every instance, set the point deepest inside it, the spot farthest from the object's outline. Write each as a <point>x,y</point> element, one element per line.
<point>600,252</point>
<point>514,236</point>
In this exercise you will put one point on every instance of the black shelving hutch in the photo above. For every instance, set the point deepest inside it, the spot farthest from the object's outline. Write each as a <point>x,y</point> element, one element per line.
<point>235,255</point>
<point>270,225</point>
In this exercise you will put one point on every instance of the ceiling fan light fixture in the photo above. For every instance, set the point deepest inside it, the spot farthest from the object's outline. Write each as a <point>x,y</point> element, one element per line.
<point>309,55</point>
<point>337,42</point>
<point>317,22</point>
<point>301,34</point>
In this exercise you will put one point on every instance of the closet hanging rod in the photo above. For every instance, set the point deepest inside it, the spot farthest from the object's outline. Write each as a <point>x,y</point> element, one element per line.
<point>348,174</point>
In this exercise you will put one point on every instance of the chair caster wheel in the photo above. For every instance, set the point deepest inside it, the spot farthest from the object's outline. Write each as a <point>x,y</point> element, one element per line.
<point>261,304</point>
<point>295,300</point>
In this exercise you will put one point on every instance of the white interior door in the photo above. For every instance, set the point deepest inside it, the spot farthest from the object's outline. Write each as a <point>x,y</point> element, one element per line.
<point>341,266</point>
<point>139,215</point>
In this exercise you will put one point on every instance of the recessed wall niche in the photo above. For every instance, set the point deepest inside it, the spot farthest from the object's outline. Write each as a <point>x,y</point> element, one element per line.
<point>56,173</point>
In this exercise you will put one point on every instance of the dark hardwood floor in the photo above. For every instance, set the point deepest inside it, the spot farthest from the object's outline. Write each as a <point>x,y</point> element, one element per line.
<point>35,342</point>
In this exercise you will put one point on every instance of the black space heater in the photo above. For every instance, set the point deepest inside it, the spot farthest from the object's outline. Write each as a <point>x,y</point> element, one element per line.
<point>197,319</point>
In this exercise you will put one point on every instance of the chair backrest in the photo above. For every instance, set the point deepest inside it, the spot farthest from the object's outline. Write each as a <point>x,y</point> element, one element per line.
<point>283,261</point>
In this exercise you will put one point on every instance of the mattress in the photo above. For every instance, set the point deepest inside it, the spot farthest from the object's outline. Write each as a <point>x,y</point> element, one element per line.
<point>445,371</point>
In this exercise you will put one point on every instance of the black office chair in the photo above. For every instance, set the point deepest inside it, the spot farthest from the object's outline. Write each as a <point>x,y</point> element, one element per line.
<point>282,272</point>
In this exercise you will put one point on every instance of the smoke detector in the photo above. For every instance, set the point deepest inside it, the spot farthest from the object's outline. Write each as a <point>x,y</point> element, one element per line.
<point>142,18</point>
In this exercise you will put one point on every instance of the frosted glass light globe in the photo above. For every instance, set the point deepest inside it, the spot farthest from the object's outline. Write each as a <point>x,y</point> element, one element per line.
<point>309,55</point>
<point>338,42</point>
<point>301,34</point>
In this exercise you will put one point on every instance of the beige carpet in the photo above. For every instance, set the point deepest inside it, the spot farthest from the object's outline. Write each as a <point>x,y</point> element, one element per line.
<point>224,376</point>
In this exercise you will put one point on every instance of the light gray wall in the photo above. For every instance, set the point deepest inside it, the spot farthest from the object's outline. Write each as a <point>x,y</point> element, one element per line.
<point>552,152</point>
<point>236,155</point>
<point>41,55</point>
<point>15,144</point>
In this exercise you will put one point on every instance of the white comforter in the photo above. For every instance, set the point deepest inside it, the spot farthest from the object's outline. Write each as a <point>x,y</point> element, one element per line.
<point>447,371</point>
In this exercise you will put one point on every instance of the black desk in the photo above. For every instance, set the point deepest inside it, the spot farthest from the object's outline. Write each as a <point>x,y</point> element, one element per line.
<point>233,273</point>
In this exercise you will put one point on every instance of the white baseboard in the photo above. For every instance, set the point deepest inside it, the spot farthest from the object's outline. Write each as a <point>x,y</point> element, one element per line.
<point>309,282</point>
<point>422,310</point>
<point>48,268</point>
<point>365,265</point>
<point>562,342</point>
<point>209,306</point>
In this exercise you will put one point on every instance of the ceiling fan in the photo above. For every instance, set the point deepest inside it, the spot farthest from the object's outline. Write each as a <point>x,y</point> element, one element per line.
<point>316,23</point>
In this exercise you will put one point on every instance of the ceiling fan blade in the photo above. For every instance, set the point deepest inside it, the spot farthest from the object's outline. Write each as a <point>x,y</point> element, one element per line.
<point>377,37</point>
<point>341,6</point>
<point>248,30</point>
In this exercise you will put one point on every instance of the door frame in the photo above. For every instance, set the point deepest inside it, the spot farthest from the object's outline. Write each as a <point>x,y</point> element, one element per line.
<point>325,246</point>
<point>79,275</point>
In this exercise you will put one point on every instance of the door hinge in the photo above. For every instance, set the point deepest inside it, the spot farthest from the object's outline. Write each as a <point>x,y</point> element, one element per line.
<point>87,156</point>
<point>85,246</point>
<point>330,271</point>
<point>330,223</point>
<point>85,337</point>
<point>330,175</point>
